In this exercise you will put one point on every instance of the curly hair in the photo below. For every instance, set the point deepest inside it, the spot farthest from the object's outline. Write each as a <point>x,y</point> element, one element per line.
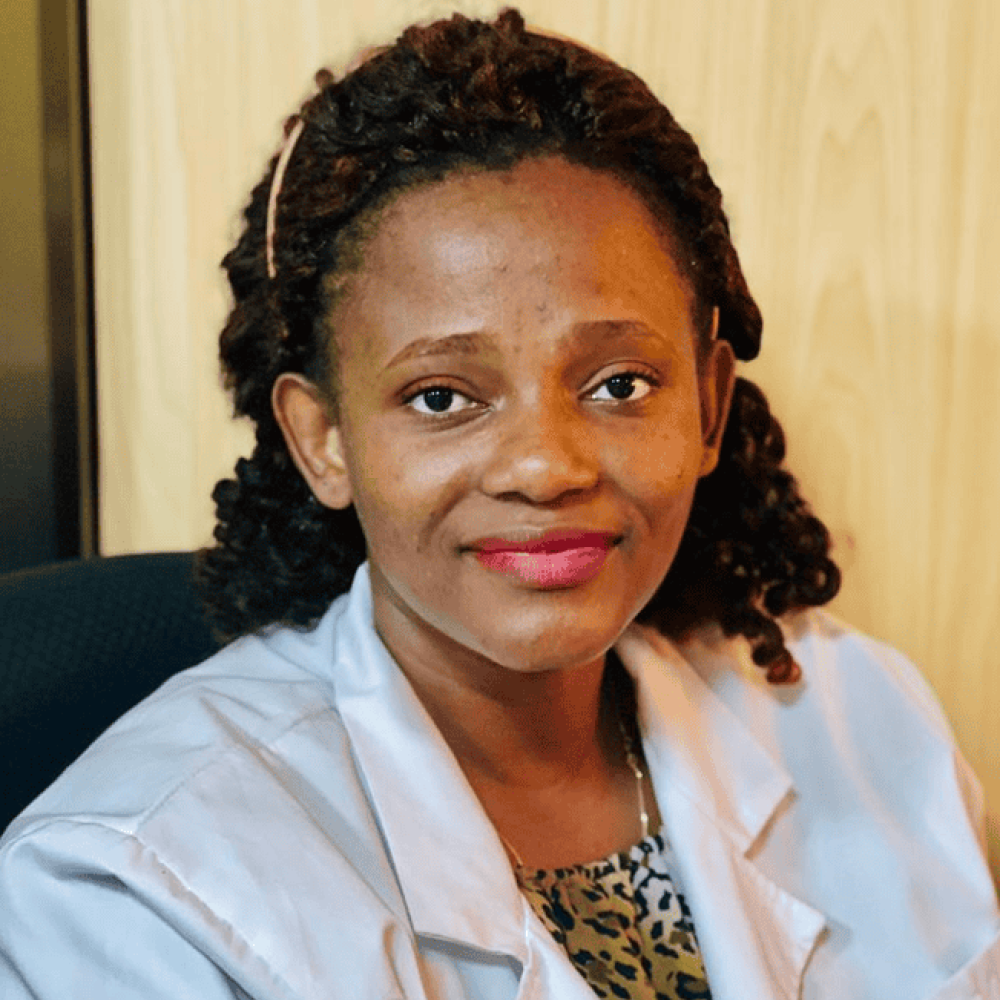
<point>463,94</point>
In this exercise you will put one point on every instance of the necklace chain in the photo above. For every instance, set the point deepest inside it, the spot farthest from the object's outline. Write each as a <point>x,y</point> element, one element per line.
<point>633,762</point>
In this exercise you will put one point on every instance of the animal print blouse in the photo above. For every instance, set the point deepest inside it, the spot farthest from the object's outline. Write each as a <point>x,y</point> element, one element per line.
<point>623,924</point>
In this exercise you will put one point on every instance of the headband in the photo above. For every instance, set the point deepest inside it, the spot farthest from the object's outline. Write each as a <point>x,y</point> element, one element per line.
<point>272,199</point>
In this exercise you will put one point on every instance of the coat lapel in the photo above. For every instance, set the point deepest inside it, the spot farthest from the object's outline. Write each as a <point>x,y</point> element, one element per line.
<point>452,868</point>
<point>453,871</point>
<point>719,791</point>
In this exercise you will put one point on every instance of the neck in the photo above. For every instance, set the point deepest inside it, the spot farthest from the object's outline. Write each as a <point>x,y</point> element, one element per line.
<point>540,748</point>
<point>526,729</point>
<point>520,729</point>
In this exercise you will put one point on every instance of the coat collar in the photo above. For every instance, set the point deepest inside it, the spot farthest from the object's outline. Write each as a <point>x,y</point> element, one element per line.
<point>428,813</point>
<point>720,791</point>
<point>695,746</point>
<point>716,785</point>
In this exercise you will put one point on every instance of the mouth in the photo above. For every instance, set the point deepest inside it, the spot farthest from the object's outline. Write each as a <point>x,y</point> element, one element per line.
<point>551,561</point>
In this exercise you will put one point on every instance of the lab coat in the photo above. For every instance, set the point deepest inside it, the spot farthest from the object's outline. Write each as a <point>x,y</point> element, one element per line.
<point>285,821</point>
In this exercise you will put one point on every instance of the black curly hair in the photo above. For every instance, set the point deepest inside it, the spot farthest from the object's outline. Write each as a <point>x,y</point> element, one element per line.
<point>463,94</point>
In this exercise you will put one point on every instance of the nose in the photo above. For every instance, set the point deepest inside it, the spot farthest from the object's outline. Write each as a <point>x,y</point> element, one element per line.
<point>542,452</point>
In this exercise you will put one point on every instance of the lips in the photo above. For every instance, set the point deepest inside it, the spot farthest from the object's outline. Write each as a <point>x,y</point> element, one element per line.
<point>553,560</point>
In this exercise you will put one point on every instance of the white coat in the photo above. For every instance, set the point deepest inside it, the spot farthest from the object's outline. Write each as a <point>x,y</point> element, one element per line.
<point>285,821</point>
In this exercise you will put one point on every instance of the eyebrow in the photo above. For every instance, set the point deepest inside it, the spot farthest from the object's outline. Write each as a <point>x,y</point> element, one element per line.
<point>429,347</point>
<point>615,328</point>
<point>472,343</point>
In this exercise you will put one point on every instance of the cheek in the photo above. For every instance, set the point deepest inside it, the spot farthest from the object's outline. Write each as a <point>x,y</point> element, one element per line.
<point>663,461</point>
<point>402,494</point>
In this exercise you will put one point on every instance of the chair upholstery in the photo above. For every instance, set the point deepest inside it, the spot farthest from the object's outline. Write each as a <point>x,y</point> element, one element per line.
<point>80,643</point>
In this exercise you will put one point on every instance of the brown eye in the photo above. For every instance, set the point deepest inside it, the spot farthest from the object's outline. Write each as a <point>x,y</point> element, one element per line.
<point>439,400</point>
<point>625,386</point>
<point>621,386</point>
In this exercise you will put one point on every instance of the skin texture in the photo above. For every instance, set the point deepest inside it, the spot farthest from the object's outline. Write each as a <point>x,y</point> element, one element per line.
<point>516,355</point>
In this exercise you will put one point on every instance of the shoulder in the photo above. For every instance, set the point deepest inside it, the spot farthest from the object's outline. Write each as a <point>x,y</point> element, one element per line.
<point>176,821</point>
<point>225,712</point>
<point>845,673</point>
<point>879,788</point>
<point>249,744</point>
<point>863,722</point>
<point>255,727</point>
<point>839,660</point>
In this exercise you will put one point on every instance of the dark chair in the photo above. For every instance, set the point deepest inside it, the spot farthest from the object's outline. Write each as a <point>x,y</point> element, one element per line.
<point>80,643</point>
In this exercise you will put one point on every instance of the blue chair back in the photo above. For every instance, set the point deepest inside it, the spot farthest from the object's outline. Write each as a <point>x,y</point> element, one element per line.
<point>80,643</point>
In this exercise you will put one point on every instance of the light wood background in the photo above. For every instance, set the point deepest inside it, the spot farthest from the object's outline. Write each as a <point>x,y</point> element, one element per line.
<point>858,143</point>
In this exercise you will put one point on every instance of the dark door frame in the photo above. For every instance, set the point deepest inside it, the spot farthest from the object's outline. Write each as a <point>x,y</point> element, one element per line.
<point>69,238</point>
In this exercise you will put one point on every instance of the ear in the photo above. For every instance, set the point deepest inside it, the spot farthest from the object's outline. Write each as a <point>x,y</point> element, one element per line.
<point>717,380</point>
<point>313,440</point>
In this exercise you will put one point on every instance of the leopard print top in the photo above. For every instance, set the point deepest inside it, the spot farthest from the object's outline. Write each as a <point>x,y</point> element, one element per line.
<point>623,924</point>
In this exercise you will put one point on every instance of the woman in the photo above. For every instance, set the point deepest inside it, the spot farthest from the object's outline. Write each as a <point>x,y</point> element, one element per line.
<point>501,574</point>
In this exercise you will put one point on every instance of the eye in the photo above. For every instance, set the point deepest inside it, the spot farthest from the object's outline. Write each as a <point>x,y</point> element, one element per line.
<point>439,400</point>
<point>622,387</point>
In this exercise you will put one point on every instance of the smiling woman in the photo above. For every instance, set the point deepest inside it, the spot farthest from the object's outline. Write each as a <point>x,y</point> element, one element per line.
<point>501,571</point>
<point>486,469</point>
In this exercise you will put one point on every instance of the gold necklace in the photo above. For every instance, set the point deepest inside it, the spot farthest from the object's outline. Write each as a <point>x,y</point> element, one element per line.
<point>633,762</point>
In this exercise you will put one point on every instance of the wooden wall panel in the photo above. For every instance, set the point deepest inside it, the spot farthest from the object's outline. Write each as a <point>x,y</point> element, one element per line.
<point>858,144</point>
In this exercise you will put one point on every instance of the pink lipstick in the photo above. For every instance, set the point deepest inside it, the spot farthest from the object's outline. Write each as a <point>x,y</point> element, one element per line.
<point>555,560</point>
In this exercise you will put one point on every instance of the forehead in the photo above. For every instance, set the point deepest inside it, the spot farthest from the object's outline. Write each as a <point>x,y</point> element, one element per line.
<point>537,194</point>
<point>544,234</point>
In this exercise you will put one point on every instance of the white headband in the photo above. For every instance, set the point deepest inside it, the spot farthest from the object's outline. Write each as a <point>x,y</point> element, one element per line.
<point>272,198</point>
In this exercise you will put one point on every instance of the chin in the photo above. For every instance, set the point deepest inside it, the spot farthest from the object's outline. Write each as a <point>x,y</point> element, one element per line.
<point>536,647</point>
<point>522,629</point>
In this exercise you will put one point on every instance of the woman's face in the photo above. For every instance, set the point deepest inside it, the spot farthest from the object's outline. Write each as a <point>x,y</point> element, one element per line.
<point>521,419</point>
